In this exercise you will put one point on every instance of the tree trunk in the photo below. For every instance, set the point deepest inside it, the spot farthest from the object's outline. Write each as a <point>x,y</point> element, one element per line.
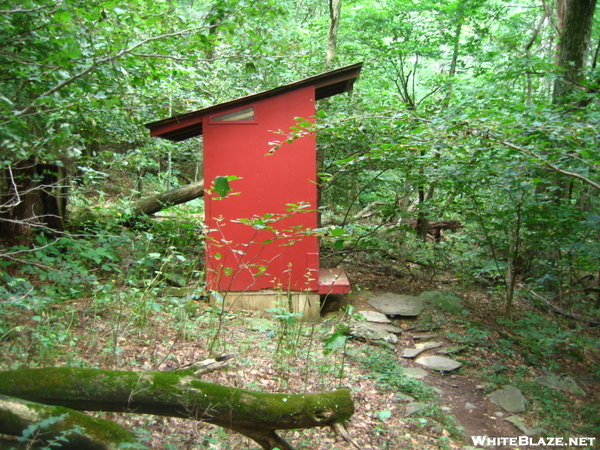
<point>422,221</point>
<point>183,194</point>
<point>59,425</point>
<point>256,415</point>
<point>575,20</point>
<point>335,8</point>
<point>459,20</point>
<point>528,54</point>
<point>32,196</point>
<point>575,26</point>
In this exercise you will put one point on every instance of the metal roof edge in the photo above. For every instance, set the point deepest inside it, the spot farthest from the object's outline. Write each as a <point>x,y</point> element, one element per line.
<point>184,126</point>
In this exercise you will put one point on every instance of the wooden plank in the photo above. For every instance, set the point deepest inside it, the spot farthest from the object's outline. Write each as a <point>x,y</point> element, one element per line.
<point>306,303</point>
<point>333,281</point>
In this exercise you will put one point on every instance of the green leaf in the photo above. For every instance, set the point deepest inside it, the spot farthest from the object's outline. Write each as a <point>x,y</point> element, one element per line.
<point>384,415</point>
<point>222,186</point>
<point>63,16</point>
<point>336,341</point>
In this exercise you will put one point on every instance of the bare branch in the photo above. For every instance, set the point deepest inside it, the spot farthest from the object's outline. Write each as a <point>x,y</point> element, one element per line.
<point>43,111</point>
<point>158,55</point>
<point>212,365</point>
<point>536,31</point>
<point>16,58</point>
<point>550,165</point>
<point>31,221</point>
<point>15,11</point>
<point>46,188</point>
<point>21,261</point>
<point>580,318</point>
<point>16,196</point>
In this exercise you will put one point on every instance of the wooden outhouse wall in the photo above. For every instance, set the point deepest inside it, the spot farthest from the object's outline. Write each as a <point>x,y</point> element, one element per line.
<point>243,258</point>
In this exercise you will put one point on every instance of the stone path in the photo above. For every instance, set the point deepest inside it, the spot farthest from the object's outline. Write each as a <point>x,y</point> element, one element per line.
<point>430,356</point>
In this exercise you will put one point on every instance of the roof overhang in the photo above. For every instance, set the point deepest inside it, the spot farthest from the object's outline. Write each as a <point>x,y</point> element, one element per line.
<point>188,125</point>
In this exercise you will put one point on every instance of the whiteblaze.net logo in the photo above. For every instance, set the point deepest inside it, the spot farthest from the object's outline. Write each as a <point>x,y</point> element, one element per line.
<point>534,442</point>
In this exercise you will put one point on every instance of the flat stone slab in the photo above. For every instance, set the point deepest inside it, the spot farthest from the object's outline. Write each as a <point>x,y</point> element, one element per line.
<point>378,327</point>
<point>389,328</point>
<point>415,407</point>
<point>372,332</point>
<point>518,422</point>
<point>450,350</point>
<point>403,398</point>
<point>566,384</point>
<point>420,348</point>
<point>374,316</point>
<point>508,398</point>
<point>397,305</point>
<point>428,345</point>
<point>439,363</point>
<point>498,368</point>
<point>437,390</point>
<point>411,352</point>
<point>415,372</point>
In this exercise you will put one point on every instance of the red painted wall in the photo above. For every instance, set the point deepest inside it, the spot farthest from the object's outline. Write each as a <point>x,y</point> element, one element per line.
<point>241,257</point>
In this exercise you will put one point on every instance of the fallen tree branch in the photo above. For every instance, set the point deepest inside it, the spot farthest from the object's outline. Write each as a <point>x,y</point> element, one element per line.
<point>71,430</point>
<point>211,365</point>
<point>176,196</point>
<point>256,415</point>
<point>562,312</point>
<point>341,431</point>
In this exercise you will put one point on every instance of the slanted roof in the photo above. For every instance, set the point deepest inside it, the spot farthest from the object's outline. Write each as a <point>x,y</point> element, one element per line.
<point>188,125</point>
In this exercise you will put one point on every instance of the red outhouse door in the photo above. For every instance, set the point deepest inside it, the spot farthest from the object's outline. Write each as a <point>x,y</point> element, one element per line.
<point>259,236</point>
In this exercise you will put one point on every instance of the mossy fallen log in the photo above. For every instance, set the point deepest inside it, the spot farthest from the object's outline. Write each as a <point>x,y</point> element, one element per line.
<point>256,415</point>
<point>59,426</point>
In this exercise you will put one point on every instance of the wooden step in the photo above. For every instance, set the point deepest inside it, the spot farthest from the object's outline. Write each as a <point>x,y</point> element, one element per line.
<point>333,281</point>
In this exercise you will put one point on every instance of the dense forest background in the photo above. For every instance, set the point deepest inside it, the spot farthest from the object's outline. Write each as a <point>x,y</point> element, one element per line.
<point>479,112</point>
<point>480,115</point>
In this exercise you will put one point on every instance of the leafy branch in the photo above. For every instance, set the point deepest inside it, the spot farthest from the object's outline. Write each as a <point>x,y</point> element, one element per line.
<point>90,68</point>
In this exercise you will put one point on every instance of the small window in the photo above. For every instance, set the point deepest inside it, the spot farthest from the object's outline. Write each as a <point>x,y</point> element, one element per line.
<point>246,114</point>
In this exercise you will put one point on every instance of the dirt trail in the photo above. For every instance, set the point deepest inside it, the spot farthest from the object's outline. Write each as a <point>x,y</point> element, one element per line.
<point>462,393</point>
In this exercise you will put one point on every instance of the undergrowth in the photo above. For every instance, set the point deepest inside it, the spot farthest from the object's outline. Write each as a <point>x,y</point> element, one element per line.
<point>102,296</point>
<point>383,367</point>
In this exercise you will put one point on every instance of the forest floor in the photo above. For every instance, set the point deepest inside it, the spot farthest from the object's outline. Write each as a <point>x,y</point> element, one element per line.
<point>283,354</point>
<point>491,357</point>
